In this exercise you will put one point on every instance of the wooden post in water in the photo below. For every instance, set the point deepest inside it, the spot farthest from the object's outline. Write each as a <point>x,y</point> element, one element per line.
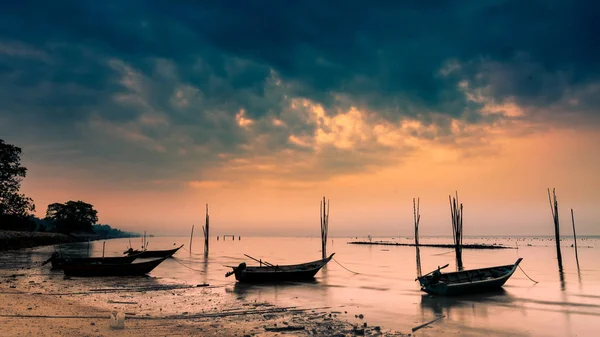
<point>103,246</point>
<point>456,211</point>
<point>205,230</point>
<point>324,213</point>
<point>417,218</point>
<point>554,209</point>
<point>191,238</point>
<point>574,238</point>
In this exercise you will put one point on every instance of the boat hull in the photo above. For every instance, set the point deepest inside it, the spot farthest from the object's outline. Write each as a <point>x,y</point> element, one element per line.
<point>276,274</point>
<point>105,269</point>
<point>479,280</point>
<point>60,262</point>
<point>453,290</point>
<point>154,253</point>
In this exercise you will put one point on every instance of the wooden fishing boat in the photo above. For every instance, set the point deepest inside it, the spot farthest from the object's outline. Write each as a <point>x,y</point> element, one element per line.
<point>111,269</point>
<point>152,253</point>
<point>467,281</point>
<point>58,261</point>
<point>273,273</point>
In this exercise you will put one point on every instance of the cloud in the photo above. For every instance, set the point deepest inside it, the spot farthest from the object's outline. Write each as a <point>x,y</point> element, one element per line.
<point>202,91</point>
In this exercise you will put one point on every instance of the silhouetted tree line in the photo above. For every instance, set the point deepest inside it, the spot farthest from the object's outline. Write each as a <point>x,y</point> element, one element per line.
<point>16,209</point>
<point>107,232</point>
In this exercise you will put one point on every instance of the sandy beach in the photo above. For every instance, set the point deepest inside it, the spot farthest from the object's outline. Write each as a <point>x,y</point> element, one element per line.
<point>32,306</point>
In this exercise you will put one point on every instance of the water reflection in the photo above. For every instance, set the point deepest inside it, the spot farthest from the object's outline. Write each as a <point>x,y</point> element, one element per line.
<point>479,304</point>
<point>205,270</point>
<point>418,253</point>
<point>244,289</point>
<point>561,276</point>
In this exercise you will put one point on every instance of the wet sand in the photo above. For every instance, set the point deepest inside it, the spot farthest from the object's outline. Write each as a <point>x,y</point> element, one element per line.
<point>33,307</point>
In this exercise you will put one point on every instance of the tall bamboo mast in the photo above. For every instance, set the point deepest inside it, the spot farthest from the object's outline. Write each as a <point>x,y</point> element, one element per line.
<point>324,214</point>
<point>417,219</point>
<point>205,230</point>
<point>554,210</point>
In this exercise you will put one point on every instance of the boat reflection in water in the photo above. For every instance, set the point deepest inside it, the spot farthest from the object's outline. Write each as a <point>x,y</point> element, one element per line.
<point>479,303</point>
<point>270,292</point>
<point>243,289</point>
<point>474,314</point>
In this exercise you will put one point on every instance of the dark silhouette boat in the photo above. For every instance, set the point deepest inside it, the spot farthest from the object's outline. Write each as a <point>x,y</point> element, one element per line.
<point>94,269</point>
<point>58,261</point>
<point>272,273</point>
<point>467,281</point>
<point>143,254</point>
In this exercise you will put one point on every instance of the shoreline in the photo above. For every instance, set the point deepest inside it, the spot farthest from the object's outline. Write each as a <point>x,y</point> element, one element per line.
<point>14,240</point>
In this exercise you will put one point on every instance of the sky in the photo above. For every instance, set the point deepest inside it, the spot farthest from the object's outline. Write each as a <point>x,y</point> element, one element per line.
<point>150,110</point>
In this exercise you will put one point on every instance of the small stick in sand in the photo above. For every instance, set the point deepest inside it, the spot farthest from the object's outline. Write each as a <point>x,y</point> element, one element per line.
<point>285,328</point>
<point>426,324</point>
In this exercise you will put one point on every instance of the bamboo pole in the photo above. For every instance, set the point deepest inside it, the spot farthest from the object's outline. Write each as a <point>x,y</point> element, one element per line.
<point>191,238</point>
<point>574,238</point>
<point>417,219</point>
<point>324,214</point>
<point>456,213</point>
<point>206,232</point>
<point>555,218</point>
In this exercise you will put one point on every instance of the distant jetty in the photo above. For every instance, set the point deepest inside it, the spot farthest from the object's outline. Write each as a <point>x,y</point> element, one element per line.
<point>436,245</point>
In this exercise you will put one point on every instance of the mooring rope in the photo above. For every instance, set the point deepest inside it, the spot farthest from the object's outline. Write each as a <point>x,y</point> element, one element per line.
<point>191,252</point>
<point>336,261</point>
<point>528,275</point>
<point>183,264</point>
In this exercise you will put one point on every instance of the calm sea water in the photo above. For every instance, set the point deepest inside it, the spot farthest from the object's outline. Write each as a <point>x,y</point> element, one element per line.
<point>383,288</point>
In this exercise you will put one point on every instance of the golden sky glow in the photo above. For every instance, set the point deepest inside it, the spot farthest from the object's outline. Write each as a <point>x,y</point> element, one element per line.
<point>501,183</point>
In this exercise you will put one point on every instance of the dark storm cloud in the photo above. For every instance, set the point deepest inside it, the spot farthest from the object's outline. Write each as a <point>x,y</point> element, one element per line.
<point>85,73</point>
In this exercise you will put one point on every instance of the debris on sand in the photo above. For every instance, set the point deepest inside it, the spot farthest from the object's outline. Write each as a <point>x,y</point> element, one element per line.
<point>284,328</point>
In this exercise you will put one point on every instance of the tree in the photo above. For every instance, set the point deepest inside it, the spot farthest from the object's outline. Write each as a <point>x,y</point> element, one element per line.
<point>72,216</point>
<point>14,207</point>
